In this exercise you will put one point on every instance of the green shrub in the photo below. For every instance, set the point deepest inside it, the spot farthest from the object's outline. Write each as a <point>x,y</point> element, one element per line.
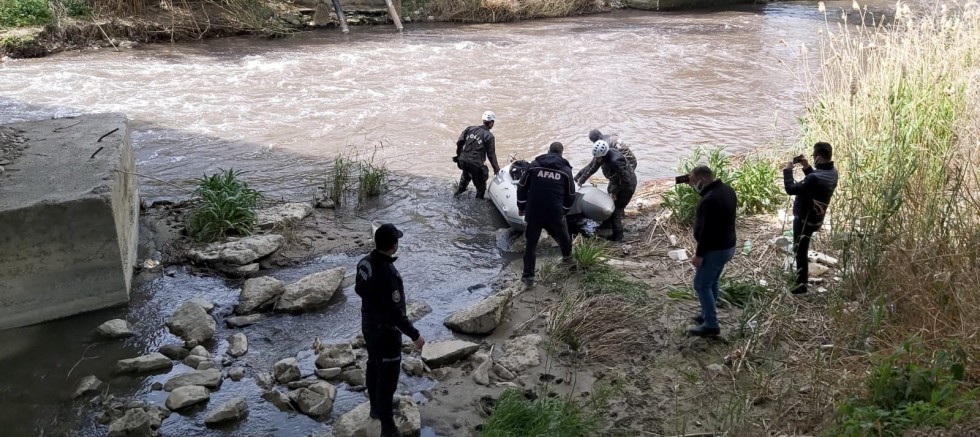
<point>514,415</point>
<point>589,252</point>
<point>76,8</point>
<point>755,183</point>
<point>681,200</point>
<point>907,390</point>
<point>602,280</point>
<point>19,13</point>
<point>373,179</point>
<point>226,205</point>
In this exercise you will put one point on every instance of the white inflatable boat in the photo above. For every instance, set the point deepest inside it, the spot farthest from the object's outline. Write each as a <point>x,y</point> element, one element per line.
<point>590,202</point>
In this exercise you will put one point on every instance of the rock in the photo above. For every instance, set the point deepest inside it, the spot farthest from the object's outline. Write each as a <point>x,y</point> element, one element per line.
<point>203,303</point>
<point>716,368</point>
<point>193,361</point>
<point>330,373</point>
<point>483,317</point>
<point>447,352</point>
<point>192,323</point>
<point>135,423</point>
<point>502,372</point>
<point>236,373</point>
<point>238,252</point>
<point>156,386</point>
<point>146,363</point>
<point>286,370</point>
<point>258,293</point>
<point>417,310</point>
<point>115,329</point>
<point>237,345</point>
<point>325,389</point>
<point>441,374</point>
<point>265,380</point>
<point>174,351</point>
<point>817,270</point>
<point>87,385</point>
<point>191,344</point>
<point>279,399</point>
<point>326,204</point>
<point>206,364</point>
<point>200,351</point>
<point>521,353</point>
<point>186,396</point>
<point>246,271</point>
<point>210,378</point>
<point>678,254</point>
<point>354,377</point>
<point>303,383</point>
<point>335,355</point>
<point>481,375</point>
<point>413,366</point>
<point>311,403</point>
<point>311,292</point>
<point>157,415</point>
<point>242,321</point>
<point>234,410</point>
<point>358,423</point>
<point>279,215</point>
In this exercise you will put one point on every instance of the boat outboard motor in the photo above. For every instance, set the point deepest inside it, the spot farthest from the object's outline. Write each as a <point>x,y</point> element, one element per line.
<point>593,203</point>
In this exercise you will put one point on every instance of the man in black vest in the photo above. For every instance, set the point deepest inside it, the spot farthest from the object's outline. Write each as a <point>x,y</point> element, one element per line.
<point>813,195</point>
<point>544,195</point>
<point>383,321</point>
<point>475,145</point>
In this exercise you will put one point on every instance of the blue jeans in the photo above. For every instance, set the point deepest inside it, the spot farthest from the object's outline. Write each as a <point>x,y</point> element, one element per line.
<point>706,283</point>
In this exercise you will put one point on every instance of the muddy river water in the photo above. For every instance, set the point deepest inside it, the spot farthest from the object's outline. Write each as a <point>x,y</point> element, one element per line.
<point>282,110</point>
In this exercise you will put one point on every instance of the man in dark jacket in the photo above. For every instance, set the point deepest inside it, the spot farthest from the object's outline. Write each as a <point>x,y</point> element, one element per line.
<point>544,195</point>
<point>622,183</point>
<point>614,143</point>
<point>383,321</point>
<point>714,231</point>
<point>475,145</point>
<point>813,195</point>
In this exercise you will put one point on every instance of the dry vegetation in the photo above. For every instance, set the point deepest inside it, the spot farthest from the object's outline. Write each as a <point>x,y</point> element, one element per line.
<point>495,11</point>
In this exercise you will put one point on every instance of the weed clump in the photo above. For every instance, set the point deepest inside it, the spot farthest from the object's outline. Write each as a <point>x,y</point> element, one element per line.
<point>225,206</point>
<point>589,252</point>
<point>515,415</point>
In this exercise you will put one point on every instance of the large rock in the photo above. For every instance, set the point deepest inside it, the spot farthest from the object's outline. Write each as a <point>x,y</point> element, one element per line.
<point>279,215</point>
<point>87,385</point>
<point>68,219</point>
<point>413,366</point>
<point>236,373</point>
<point>200,351</point>
<point>210,378</point>
<point>115,329</point>
<point>135,423</point>
<point>186,396</point>
<point>447,352</point>
<point>325,389</point>
<point>259,293</point>
<point>146,363</point>
<point>205,304</point>
<point>174,351</point>
<point>521,353</point>
<point>483,317</point>
<point>191,323</point>
<point>481,375</point>
<point>336,355</point>
<point>234,410</point>
<point>311,292</point>
<point>358,423</point>
<point>238,252</point>
<point>417,310</point>
<point>286,370</point>
<point>330,373</point>
<point>279,399</point>
<point>354,377</point>
<point>243,321</point>
<point>311,403</point>
<point>237,345</point>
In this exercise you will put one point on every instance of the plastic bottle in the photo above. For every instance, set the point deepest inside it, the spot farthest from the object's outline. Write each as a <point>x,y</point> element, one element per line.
<point>747,247</point>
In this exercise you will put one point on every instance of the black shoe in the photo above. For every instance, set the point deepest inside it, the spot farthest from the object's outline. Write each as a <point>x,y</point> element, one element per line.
<point>458,192</point>
<point>704,331</point>
<point>698,320</point>
<point>480,196</point>
<point>799,289</point>
<point>528,283</point>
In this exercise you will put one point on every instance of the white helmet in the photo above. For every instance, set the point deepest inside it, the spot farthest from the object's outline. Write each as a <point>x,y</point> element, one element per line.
<point>600,148</point>
<point>489,116</point>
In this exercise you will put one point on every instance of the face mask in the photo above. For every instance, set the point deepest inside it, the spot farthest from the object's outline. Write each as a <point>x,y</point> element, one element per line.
<point>698,186</point>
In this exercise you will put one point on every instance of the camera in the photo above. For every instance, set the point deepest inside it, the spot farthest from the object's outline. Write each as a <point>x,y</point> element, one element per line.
<point>682,179</point>
<point>798,159</point>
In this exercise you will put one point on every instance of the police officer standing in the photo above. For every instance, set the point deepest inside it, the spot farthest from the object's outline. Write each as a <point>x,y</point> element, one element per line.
<point>622,182</point>
<point>474,146</point>
<point>544,195</point>
<point>383,321</point>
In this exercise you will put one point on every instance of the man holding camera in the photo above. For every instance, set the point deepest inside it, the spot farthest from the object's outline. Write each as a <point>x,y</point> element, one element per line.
<point>714,231</point>
<point>476,145</point>
<point>813,195</point>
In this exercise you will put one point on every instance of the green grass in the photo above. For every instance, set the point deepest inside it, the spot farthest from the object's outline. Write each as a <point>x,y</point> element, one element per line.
<point>603,280</point>
<point>514,415</point>
<point>589,252</point>
<point>682,200</point>
<point>20,13</point>
<point>755,182</point>
<point>225,206</point>
<point>340,178</point>
<point>740,293</point>
<point>373,179</point>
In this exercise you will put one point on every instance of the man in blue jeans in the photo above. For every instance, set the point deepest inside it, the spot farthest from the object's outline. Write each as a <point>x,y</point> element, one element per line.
<point>714,231</point>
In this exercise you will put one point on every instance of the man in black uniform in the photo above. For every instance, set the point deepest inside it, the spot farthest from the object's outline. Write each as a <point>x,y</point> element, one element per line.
<point>383,321</point>
<point>474,146</point>
<point>813,195</point>
<point>544,195</point>
<point>622,183</point>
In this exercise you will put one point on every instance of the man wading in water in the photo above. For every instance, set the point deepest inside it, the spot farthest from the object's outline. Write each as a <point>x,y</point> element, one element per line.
<point>474,146</point>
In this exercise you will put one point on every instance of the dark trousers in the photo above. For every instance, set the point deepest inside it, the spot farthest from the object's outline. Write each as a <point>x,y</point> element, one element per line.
<point>802,234</point>
<point>558,230</point>
<point>478,173</point>
<point>623,198</point>
<point>383,367</point>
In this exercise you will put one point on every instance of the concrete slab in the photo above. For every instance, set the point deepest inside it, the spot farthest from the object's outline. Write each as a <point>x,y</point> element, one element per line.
<point>68,219</point>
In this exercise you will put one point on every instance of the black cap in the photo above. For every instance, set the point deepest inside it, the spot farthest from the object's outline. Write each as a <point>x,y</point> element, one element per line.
<point>386,236</point>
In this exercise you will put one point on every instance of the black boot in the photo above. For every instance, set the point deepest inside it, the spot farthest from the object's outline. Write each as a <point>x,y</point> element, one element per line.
<point>704,331</point>
<point>394,407</point>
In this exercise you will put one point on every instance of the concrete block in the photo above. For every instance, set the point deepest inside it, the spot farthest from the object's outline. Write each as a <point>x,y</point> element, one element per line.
<point>68,219</point>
